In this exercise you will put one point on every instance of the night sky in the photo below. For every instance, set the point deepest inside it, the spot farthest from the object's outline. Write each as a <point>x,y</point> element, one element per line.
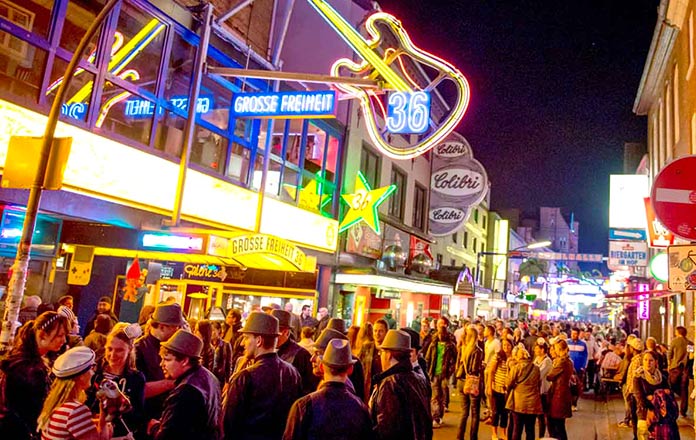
<point>553,84</point>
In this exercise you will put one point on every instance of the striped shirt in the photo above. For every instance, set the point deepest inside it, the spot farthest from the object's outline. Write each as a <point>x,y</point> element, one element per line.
<point>69,421</point>
<point>500,376</point>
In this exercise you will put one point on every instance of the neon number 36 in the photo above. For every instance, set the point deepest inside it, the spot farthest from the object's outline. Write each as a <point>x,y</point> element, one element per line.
<point>408,112</point>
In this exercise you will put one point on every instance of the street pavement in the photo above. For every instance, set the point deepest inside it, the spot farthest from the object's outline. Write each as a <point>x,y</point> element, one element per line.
<point>595,419</point>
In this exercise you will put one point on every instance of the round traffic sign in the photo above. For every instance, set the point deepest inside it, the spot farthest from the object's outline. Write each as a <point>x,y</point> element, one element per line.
<point>673,197</point>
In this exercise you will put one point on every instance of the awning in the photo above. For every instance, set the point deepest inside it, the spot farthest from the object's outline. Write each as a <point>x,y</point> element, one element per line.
<point>394,281</point>
<point>254,261</point>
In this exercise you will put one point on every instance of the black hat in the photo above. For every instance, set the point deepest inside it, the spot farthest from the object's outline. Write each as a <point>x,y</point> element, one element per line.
<point>415,337</point>
<point>337,324</point>
<point>326,336</point>
<point>283,318</point>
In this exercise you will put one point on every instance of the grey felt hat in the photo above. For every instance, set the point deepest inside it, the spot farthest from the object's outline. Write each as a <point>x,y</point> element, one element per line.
<point>169,314</point>
<point>184,343</point>
<point>338,354</point>
<point>326,336</point>
<point>396,340</point>
<point>259,323</point>
<point>283,318</point>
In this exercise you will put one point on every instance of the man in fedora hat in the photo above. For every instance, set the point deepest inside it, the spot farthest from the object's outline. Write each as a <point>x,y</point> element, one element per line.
<point>393,416</point>
<point>258,398</point>
<point>165,321</point>
<point>291,352</point>
<point>333,412</point>
<point>192,408</point>
<point>356,379</point>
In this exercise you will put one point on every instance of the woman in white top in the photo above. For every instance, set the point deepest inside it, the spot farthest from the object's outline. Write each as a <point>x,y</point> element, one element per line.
<point>544,362</point>
<point>64,415</point>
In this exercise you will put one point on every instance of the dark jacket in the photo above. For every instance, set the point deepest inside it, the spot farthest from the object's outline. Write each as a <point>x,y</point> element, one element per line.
<point>192,408</point>
<point>222,361</point>
<point>332,412</point>
<point>523,388</point>
<point>323,322</point>
<point>642,389</point>
<point>292,353</point>
<point>26,384</point>
<point>399,407</point>
<point>472,364</point>
<point>134,388</point>
<point>449,356</point>
<point>678,354</point>
<point>258,399</point>
<point>236,341</point>
<point>147,361</point>
<point>559,395</point>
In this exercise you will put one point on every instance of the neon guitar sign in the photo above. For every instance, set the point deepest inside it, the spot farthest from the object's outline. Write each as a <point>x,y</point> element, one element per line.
<point>384,63</point>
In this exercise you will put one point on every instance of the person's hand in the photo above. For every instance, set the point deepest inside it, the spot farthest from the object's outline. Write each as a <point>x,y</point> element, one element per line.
<point>152,426</point>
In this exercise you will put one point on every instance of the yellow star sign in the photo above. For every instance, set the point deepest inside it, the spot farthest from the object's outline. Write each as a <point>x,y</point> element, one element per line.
<point>309,196</point>
<point>364,203</point>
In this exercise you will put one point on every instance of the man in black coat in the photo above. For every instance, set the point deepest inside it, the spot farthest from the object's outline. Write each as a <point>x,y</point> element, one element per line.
<point>333,412</point>
<point>356,379</point>
<point>192,408</point>
<point>292,353</point>
<point>258,398</point>
<point>399,406</point>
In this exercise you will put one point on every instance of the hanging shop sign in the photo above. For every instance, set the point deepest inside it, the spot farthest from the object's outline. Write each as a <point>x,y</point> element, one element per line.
<point>267,244</point>
<point>660,237</point>
<point>363,204</point>
<point>682,267</point>
<point>458,183</point>
<point>626,206</point>
<point>406,108</point>
<point>362,240</point>
<point>673,197</point>
<point>301,104</point>
<point>659,267</point>
<point>628,253</point>
<point>143,108</point>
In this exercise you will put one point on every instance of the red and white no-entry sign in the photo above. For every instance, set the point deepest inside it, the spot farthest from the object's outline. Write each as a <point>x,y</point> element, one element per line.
<point>673,197</point>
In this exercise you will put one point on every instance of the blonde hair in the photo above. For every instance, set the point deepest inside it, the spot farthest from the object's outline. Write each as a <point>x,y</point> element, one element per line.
<point>119,332</point>
<point>62,390</point>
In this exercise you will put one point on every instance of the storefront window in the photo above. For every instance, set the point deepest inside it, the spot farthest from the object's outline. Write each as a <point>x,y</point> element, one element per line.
<point>314,149</point>
<point>214,103</point>
<point>137,47</point>
<point>170,134</point>
<point>179,73</point>
<point>208,149</point>
<point>290,179</point>
<point>31,15</point>
<point>21,66</point>
<point>79,16</point>
<point>294,142</point>
<point>238,166</point>
<point>242,129</point>
<point>79,94</point>
<point>124,114</point>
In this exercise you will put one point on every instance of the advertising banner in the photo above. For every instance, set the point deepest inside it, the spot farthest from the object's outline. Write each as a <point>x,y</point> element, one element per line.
<point>628,253</point>
<point>458,183</point>
<point>362,240</point>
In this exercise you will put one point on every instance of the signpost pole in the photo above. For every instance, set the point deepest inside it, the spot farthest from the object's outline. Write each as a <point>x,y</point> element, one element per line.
<point>15,288</point>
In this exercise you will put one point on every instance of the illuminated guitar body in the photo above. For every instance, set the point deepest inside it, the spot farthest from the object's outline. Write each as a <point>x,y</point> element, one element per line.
<point>383,61</point>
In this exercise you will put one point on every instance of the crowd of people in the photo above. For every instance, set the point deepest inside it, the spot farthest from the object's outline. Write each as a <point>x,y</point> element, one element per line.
<point>273,374</point>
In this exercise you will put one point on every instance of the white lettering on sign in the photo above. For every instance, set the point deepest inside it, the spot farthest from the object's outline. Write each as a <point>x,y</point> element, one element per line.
<point>456,181</point>
<point>452,149</point>
<point>447,215</point>
<point>256,104</point>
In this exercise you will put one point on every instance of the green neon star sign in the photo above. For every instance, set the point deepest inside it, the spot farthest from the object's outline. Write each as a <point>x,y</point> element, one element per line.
<point>363,204</point>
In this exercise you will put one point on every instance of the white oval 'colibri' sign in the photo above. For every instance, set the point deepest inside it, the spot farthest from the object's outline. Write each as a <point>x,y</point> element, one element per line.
<point>456,181</point>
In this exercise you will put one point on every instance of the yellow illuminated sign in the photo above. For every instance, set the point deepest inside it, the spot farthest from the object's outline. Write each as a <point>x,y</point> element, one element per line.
<point>363,204</point>
<point>298,225</point>
<point>377,66</point>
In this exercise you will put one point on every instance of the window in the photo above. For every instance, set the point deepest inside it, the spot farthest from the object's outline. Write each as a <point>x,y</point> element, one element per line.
<point>483,222</point>
<point>474,245</point>
<point>483,247</point>
<point>438,260</point>
<point>370,165</point>
<point>476,216</point>
<point>420,195</point>
<point>691,45</point>
<point>453,262</point>
<point>675,111</point>
<point>397,201</point>
<point>454,238</point>
<point>661,134</point>
<point>14,47</point>
<point>669,126</point>
<point>465,242</point>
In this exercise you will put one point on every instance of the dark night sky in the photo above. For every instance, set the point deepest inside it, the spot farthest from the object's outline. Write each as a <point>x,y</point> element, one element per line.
<point>553,84</point>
